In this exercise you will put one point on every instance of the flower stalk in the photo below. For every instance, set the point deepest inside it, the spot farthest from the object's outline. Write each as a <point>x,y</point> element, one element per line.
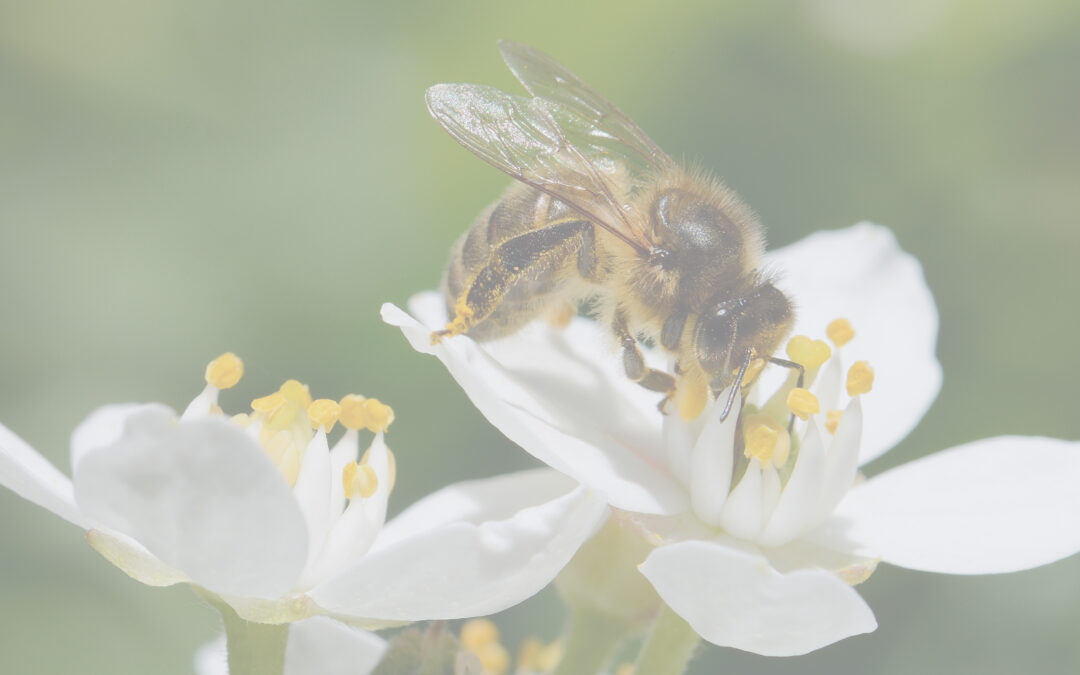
<point>670,646</point>
<point>591,639</point>
<point>253,648</point>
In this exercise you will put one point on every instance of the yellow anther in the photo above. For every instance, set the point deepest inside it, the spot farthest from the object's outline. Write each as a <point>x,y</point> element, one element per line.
<point>766,440</point>
<point>296,392</point>
<point>832,420</point>
<point>348,475</point>
<point>536,657</point>
<point>267,405</point>
<point>215,409</point>
<point>353,412</point>
<point>241,419</point>
<point>808,353</point>
<point>802,403</point>
<point>752,371</point>
<point>359,480</point>
<point>494,658</point>
<point>391,466</point>
<point>860,379</point>
<point>840,332</point>
<point>477,633</point>
<point>625,669</point>
<point>528,656</point>
<point>224,371</point>
<point>378,415</point>
<point>551,656</point>
<point>323,414</point>
<point>279,411</point>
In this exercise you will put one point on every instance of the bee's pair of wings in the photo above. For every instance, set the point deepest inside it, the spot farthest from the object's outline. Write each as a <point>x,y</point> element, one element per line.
<point>567,140</point>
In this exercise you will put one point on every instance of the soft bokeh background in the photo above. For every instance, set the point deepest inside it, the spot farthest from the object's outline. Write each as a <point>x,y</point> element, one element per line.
<point>183,177</point>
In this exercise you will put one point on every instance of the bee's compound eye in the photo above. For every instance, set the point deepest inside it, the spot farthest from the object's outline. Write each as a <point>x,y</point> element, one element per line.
<point>715,335</point>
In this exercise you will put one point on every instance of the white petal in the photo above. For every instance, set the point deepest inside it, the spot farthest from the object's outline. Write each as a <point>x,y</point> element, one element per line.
<point>732,597</point>
<point>327,647</point>
<point>574,423</point>
<point>997,505</point>
<point>742,515</point>
<point>133,559</point>
<point>99,430</point>
<point>472,558</point>
<point>798,506</point>
<point>315,646</point>
<point>711,463</point>
<point>861,273</point>
<point>202,497</point>
<point>803,554</point>
<point>33,478</point>
<point>475,501</point>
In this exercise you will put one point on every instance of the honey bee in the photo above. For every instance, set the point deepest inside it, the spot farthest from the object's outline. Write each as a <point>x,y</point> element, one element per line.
<point>600,213</point>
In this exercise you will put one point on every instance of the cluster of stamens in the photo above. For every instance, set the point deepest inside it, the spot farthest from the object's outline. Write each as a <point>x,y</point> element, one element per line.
<point>765,437</point>
<point>286,421</point>
<point>481,638</point>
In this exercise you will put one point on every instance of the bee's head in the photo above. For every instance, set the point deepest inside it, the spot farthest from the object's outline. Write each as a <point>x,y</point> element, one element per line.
<point>736,329</point>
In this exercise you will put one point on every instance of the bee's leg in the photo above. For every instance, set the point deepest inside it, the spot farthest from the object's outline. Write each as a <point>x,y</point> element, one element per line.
<point>526,256</point>
<point>634,363</point>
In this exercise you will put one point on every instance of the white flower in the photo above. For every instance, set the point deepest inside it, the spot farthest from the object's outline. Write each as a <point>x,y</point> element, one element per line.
<point>759,533</point>
<point>316,645</point>
<point>259,511</point>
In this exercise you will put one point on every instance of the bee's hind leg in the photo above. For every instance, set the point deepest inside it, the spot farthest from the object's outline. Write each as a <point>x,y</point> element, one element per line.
<point>527,256</point>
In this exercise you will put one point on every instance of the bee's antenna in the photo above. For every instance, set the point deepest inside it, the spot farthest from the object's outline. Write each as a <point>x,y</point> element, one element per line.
<point>735,387</point>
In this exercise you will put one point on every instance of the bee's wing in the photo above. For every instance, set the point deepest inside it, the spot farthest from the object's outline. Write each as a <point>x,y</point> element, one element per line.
<point>522,137</point>
<point>599,122</point>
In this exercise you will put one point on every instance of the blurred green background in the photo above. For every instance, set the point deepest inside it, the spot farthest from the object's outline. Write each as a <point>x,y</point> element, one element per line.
<point>181,178</point>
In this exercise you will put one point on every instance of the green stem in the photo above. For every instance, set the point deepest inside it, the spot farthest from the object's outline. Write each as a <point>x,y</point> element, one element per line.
<point>254,648</point>
<point>590,640</point>
<point>669,647</point>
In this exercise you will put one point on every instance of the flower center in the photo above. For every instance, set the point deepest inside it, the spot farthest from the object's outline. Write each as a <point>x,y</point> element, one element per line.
<point>287,421</point>
<point>793,455</point>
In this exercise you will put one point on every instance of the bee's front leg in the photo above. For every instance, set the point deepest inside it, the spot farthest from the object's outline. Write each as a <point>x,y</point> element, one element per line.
<point>634,363</point>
